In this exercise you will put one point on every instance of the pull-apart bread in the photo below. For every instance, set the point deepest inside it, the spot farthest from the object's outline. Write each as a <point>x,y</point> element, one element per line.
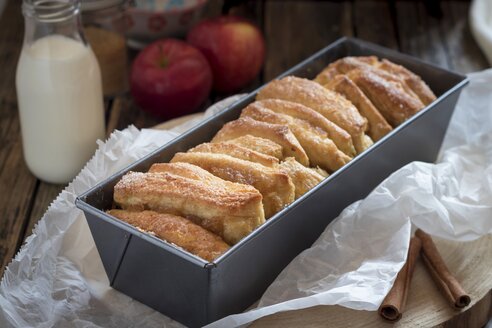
<point>275,186</point>
<point>393,90</point>
<point>280,147</point>
<point>260,145</point>
<point>389,97</point>
<point>304,178</point>
<point>331,105</point>
<point>279,134</point>
<point>343,66</point>
<point>378,126</point>
<point>176,230</point>
<point>340,137</point>
<point>394,72</point>
<point>231,210</point>
<point>236,151</point>
<point>321,150</point>
<point>414,81</point>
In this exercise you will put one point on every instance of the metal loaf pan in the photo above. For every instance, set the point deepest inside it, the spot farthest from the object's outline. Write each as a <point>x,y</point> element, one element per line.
<point>195,292</point>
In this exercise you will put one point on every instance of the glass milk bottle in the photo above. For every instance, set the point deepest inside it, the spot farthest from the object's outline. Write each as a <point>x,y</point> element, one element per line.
<point>59,91</point>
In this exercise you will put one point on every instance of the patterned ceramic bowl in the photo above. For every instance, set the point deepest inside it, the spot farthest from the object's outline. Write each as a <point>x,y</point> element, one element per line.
<point>149,20</point>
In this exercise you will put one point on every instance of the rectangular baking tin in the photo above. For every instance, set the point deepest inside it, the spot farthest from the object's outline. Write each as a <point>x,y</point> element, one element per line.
<point>194,292</point>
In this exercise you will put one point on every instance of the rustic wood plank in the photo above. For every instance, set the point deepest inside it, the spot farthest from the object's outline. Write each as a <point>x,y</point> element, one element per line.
<point>125,112</point>
<point>464,54</point>
<point>213,8</point>
<point>373,22</point>
<point>17,185</point>
<point>420,34</point>
<point>295,30</point>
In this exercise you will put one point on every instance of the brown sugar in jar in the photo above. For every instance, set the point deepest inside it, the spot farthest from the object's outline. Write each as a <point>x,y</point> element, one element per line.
<point>105,30</point>
<point>111,53</point>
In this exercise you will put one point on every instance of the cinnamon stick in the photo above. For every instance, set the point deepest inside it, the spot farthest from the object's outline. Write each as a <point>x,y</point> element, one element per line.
<point>445,280</point>
<point>394,303</point>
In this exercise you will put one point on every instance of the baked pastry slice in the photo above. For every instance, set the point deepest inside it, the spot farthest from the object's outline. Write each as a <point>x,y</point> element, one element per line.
<point>304,178</point>
<point>236,151</point>
<point>378,126</point>
<point>410,82</point>
<point>279,134</point>
<point>330,104</point>
<point>231,210</point>
<point>320,149</point>
<point>260,145</point>
<point>275,186</point>
<point>344,65</point>
<point>340,137</point>
<point>390,98</point>
<point>414,81</point>
<point>176,230</point>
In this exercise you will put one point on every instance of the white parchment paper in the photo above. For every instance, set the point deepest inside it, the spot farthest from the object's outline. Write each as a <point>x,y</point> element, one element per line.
<point>57,278</point>
<point>480,17</point>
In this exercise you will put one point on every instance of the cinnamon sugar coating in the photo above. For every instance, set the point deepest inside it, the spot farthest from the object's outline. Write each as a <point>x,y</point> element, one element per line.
<point>414,81</point>
<point>275,186</point>
<point>340,137</point>
<point>389,97</point>
<point>236,151</point>
<point>260,145</point>
<point>320,149</point>
<point>228,209</point>
<point>330,104</point>
<point>279,134</point>
<point>378,126</point>
<point>304,178</point>
<point>344,65</point>
<point>176,230</point>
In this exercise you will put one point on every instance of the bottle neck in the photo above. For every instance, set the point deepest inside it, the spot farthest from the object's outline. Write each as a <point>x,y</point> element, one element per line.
<point>52,17</point>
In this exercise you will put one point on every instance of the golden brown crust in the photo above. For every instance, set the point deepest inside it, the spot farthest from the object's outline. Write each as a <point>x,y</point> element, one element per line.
<point>392,78</point>
<point>260,145</point>
<point>279,134</point>
<point>320,149</point>
<point>378,126</point>
<point>411,83</point>
<point>330,104</point>
<point>275,186</point>
<point>231,210</point>
<point>320,171</point>
<point>236,151</point>
<point>304,178</point>
<point>340,137</point>
<point>390,98</point>
<point>344,65</point>
<point>295,120</point>
<point>176,230</point>
<point>414,81</point>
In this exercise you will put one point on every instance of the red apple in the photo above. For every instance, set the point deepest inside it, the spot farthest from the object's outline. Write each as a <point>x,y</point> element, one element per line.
<point>170,78</point>
<point>234,47</point>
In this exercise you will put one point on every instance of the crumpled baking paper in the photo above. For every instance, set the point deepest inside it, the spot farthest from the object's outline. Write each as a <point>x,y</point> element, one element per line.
<point>57,278</point>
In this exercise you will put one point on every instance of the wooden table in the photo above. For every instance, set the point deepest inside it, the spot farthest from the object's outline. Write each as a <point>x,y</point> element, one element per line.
<point>436,31</point>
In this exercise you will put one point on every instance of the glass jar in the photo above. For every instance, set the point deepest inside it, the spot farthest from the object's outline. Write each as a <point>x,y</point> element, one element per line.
<point>105,25</point>
<point>59,91</point>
